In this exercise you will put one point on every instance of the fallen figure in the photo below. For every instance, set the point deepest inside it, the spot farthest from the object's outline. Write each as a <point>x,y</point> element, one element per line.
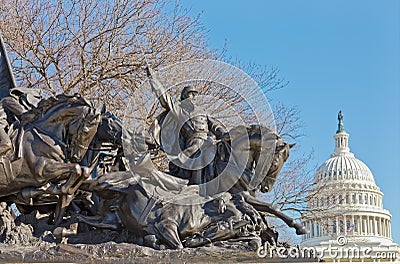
<point>181,218</point>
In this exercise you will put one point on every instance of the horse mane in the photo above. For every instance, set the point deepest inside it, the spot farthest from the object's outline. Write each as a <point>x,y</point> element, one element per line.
<point>255,131</point>
<point>46,105</point>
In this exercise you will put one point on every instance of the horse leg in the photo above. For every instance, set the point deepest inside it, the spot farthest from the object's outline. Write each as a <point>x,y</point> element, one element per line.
<point>57,170</point>
<point>47,169</point>
<point>54,170</point>
<point>75,181</point>
<point>266,207</point>
<point>168,232</point>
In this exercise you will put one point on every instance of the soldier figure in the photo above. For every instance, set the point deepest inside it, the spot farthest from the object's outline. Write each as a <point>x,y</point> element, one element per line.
<point>5,142</point>
<point>194,130</point>
<point>11,110</point>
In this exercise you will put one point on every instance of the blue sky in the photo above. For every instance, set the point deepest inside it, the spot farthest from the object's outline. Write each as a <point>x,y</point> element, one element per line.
<point>336,55</point>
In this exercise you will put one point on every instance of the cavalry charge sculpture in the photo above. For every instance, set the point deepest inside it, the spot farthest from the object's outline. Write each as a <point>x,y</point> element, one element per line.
<point>64,150</point>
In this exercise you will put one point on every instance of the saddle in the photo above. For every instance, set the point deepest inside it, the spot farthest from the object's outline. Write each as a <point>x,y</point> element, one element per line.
<point>7,175</point>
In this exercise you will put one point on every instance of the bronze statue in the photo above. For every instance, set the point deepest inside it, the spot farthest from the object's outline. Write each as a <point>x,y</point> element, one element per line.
<point>54,162</point>
<point>56,136</point>
<point>247,149</point>
<point>61,150</point>
<point>162,209</point>
<point>156,205</point>
<point>106,141</point>
<point>12,108</point>
<point>167,212</point>
<point>49,148</point>
<point>193,127</point>
<point>340,124</point>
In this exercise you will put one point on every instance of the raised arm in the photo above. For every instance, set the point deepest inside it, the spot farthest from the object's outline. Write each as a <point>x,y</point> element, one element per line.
<point>216,128</point>
<point>159,90</point>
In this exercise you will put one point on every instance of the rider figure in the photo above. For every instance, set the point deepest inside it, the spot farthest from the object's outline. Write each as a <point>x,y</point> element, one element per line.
<point>195,128</point>
<point>12,108</point>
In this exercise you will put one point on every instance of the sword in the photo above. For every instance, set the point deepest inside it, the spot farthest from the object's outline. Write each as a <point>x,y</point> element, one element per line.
<point>7,80</point>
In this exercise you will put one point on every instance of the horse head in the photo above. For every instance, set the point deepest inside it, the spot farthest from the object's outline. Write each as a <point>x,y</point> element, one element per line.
<point>281,155</point>
<point>69,119</point>
<point>81,132</point>
<point>110,129</point>
<point>106,146</point>
<point>262,152</point>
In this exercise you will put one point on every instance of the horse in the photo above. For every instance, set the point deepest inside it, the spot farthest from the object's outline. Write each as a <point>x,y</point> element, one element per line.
<point>250,160</point>
<point>261,169</point>
<point>239,164</point>
<point>106,147</point>
<point>105,154</point>
<point>47,148</point>
<point>151,203</point>
<point>106,141</point>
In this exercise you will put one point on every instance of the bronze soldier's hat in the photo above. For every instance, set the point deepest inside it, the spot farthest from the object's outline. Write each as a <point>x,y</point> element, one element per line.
<point>186,90</point>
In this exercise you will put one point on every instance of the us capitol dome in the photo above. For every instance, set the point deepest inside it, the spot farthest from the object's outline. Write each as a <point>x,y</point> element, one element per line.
<point>345,210</point>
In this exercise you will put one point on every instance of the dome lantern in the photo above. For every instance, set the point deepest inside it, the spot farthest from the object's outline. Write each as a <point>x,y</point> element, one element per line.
<point>341,139</point>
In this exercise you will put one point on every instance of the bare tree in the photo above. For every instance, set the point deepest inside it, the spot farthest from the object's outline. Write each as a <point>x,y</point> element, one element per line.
<point>96,48</point>
<point>100,49</point>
